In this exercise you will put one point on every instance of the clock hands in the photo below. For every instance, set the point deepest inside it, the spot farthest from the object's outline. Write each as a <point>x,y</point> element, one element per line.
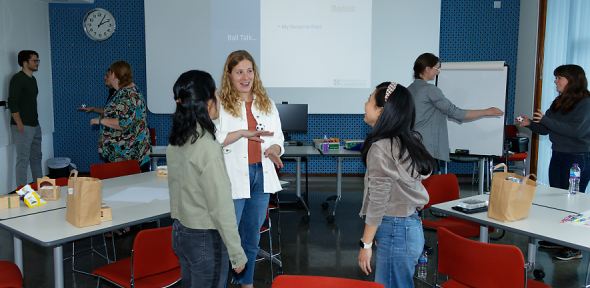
<point>108,20</point>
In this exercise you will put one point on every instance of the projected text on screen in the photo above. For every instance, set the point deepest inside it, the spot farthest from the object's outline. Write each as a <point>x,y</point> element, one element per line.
<point>311,43</point>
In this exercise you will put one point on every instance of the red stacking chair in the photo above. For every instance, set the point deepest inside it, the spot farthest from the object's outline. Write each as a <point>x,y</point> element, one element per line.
<point>293,281</point>
<point>475,264</point>
<point>512,132</point>
<point>153,136</point>
<point>114,169</point>
<point>443,188</point>
<point>105,171</point>
<point>152,262</point>
<point>10,276</point>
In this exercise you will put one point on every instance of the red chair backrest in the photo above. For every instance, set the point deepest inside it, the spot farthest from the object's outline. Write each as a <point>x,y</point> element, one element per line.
<point>114,169</point>
<point>63,181</point>
<point>153,136</point>
<point>441,188</point>
<point>293,281</point>
<point>511,131</point>
<point>152,252</point>
<point>478,264</point>
<point>10,275</point>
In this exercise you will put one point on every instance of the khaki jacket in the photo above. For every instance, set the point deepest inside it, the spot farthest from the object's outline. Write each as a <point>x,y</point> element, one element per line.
<point>200,191</point>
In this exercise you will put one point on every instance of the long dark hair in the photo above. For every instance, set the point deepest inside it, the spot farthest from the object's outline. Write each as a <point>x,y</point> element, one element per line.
<point>396,122</point>
<point>193,90</point>
<point>575,90</point>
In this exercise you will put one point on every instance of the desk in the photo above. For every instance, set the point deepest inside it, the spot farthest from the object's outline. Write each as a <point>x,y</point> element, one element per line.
<point>472,158</point>
<point>543,222</point>
<point>560,199</point>
<point>49,228</point>
<point>158,152</point>
<point>298,152</point>
<point>339,154</point>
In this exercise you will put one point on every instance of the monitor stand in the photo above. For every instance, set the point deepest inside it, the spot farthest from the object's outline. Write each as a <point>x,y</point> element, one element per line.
<point>288,141</point>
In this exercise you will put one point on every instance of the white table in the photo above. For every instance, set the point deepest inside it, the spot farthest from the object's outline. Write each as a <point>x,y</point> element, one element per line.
<point>297,153</point>
<point>339,154</point>
<point>49,228</point>
<point>560,199</point>
<point>543,222</point>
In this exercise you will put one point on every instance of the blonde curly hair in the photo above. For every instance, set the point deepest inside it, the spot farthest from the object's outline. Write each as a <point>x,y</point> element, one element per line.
<point>230,97</point>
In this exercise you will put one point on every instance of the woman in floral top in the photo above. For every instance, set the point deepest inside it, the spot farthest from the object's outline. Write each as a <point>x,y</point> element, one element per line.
<point>123,129</point>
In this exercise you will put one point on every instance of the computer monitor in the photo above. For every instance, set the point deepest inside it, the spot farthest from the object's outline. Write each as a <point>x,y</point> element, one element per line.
<point>293,118</point>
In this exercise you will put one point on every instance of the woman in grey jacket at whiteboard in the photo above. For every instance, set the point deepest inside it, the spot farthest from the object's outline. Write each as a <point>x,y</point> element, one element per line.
<point>432,108</point>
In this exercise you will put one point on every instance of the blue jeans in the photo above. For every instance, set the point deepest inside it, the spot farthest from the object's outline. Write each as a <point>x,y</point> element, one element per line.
<point>202,256</point>
<point>559,169</point>
<point>400,241</point>
<point>28,152</point>
<point>251,213</point>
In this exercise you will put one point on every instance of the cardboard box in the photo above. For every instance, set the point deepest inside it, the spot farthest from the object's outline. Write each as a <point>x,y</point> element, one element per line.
<point>162,171</point>
<point>351,143</point>
<point>9,201</point>
<point>319,144</point>
<point>47,188</point>
<point>106,214</point>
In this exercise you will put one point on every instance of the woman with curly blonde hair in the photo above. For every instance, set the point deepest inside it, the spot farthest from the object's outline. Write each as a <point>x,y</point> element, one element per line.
<point>249,128</point>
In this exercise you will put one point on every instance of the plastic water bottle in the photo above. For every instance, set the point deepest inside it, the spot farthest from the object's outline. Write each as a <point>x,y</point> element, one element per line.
<point>422,265</point>
<point>575,179</point>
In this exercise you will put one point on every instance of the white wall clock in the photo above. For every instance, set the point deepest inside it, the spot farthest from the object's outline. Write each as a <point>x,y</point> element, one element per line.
<point>99,24</point>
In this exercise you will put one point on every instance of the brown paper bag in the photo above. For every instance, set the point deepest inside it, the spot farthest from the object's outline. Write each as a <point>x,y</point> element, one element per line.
<point>509,200</point>
<point>84,200</point>
<point>47,188</point>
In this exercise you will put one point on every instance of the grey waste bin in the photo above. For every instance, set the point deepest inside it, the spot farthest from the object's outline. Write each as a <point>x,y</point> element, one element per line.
<point>59,167</point>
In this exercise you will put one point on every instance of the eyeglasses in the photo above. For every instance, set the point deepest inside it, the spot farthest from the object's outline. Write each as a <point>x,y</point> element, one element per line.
<point>36,61</point>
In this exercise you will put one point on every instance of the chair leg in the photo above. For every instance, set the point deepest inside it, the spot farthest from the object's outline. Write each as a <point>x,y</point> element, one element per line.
<point>473,174</point>
<point>272,278</point>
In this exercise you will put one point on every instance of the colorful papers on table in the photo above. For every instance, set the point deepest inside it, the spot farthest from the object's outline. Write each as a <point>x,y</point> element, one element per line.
<point>140,194</point>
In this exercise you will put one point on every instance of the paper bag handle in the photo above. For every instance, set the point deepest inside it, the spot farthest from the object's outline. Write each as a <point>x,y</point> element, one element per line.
<point>523,185</point>
<point>500,166</point>
<point>75,172</point>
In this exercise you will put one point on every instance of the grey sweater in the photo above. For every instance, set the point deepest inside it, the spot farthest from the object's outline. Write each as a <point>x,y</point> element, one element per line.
<point>568,133</point>
<point>432,110</point>
<point>390,190</point>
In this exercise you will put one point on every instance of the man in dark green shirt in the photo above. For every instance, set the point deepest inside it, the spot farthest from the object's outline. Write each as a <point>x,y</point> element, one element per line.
<point>26,132</point>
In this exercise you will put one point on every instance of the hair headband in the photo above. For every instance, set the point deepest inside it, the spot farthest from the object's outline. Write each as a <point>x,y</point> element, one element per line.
<point>390,89</point>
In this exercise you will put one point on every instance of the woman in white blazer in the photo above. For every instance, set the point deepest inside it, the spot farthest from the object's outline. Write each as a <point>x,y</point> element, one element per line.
<point>249,128</point>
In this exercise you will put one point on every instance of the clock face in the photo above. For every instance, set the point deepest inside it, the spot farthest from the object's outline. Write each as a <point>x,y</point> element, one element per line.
<point>99,24</point>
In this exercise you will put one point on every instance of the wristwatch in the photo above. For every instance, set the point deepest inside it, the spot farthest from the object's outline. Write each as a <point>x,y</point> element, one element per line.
<point>364,245</point>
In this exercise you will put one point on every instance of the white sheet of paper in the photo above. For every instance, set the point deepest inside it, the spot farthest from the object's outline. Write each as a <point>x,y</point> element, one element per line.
<point>140,194</point>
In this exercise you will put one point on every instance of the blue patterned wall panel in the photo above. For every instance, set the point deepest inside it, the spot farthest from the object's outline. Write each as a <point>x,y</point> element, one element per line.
<point>470,31</point>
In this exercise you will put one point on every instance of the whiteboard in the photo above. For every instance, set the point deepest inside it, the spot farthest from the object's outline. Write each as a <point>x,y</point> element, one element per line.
<point>472,86</point>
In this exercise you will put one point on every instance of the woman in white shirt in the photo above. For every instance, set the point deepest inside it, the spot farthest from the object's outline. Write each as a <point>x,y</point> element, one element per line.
<point>249,128</point>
